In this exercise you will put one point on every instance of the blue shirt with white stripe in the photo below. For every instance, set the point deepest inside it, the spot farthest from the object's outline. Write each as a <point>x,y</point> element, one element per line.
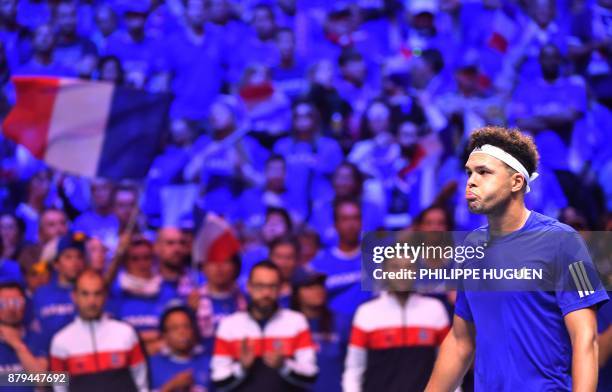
<point>522,342</point>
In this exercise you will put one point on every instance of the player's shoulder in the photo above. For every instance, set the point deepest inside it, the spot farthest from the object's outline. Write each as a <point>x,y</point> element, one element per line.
<point>536,221</point>
<point>541,221</point>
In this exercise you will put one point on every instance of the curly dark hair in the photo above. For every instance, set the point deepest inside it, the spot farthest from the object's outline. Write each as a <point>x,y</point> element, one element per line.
<point>511,140</point>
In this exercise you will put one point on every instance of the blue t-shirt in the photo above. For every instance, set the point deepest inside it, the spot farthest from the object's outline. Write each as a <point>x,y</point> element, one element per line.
<point>343,279</point>
<point>521,339</point>
<point>310,165</point>
<point>53,309</point>
<point>141,312</point>
<point>103,227</point>
<point>137,57</point>
<point>604,321</point>
<point>331,350</point>
<point>9,362</point>
<point>197,72</point>
<point>164,366</point>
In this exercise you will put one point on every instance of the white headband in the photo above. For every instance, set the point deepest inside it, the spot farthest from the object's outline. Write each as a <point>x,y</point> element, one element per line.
<point>508,159</point>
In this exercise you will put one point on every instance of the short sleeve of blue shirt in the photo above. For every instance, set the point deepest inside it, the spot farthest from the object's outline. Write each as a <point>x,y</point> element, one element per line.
<point>462,307</point>
<point>578,284</point>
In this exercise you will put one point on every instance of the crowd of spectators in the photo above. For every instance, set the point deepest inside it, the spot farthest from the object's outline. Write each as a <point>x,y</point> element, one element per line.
<point>295,127</point>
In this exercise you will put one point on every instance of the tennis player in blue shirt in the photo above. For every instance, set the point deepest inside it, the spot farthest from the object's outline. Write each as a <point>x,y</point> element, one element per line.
<point>539,340</point>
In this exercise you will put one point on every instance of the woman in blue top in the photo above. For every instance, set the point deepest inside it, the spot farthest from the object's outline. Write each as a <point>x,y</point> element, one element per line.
<point>183,364</point>
<point>330,331</point>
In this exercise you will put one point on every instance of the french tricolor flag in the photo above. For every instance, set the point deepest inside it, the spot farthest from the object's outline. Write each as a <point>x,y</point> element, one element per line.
<point>93,129</point>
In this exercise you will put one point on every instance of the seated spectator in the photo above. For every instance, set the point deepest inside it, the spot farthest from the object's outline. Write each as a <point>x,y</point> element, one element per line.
<point>340,28</point>
<point>404,104</point>
<point>182,364</point>
<point>355,84</point>
<point>256,46</point>
<point>347,182</point>
<point>330,330</point>
<point>136,295</point>
<point>310,243</point>
<point>166,173</point>
<point>165,18</point>
<point>52,303</point>
<point>266,106</point>
<point>334,111</point>
<point>277,224</point>
<point>136,50</point>
<point>39,186</point>
<point>311,157</point>
<point>283,360</point>
<point>111,70</point>
<point>170,255</point>
<point>106,25</point>
<point>290,71</point>
<point>423,31</point>
<point>124,209</point>
<point>224,15</point>
<point>377,149</point>
<point>541,28</point>
<point>412,188</point>
<point>97,254</point>
<point>20,349</point>
<point>342,263</point>
<point>493,29</point>
<point>590,50</point>
<point>552,102</point>
<point>473,103</point>
<point>81,346</point>
<point>53,225</point>
<point>72,50</point>
<point>43,60</point>
<point>284,253</point>
<point>35,273</point>
<point>227,162</point>
<point>100,221</point>
<point>396,327</point>
<point>193,59</point>
<point>255,201</point>
<point>428,81</point>
<point>12,232</point>
<point>220,296</point>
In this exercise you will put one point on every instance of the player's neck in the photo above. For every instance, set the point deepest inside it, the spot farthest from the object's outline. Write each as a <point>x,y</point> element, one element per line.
<point>509,219</point>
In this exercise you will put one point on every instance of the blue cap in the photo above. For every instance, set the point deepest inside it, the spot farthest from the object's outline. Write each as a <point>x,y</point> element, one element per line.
<point>75,240</point>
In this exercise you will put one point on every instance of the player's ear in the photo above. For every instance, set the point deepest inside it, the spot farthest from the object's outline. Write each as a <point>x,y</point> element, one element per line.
<point>517,182</point>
